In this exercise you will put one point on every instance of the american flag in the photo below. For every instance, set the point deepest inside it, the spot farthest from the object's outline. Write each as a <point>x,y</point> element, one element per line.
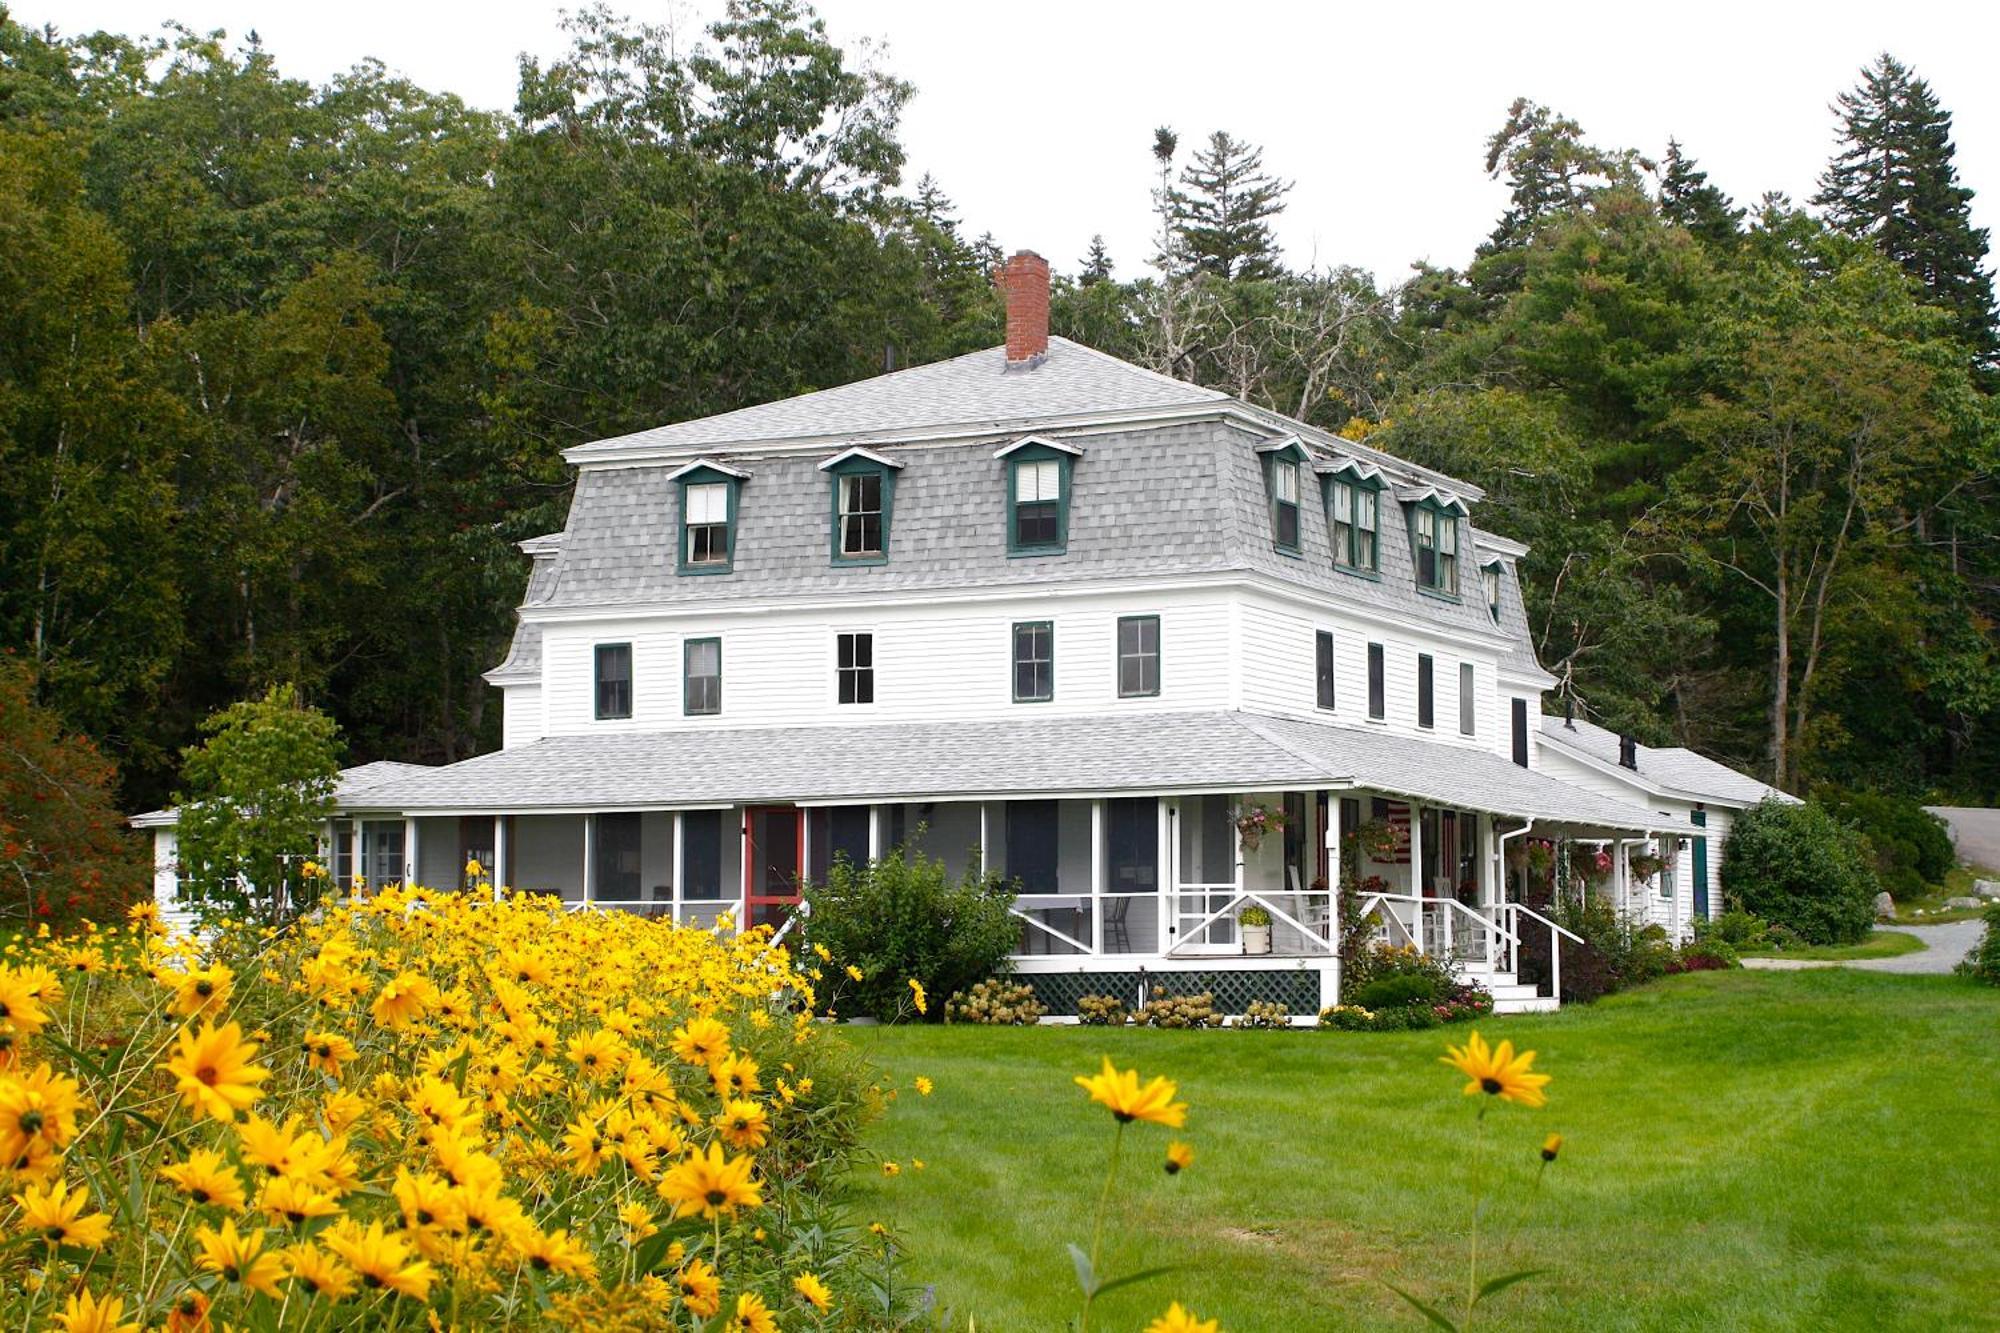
<point>1397,813</point>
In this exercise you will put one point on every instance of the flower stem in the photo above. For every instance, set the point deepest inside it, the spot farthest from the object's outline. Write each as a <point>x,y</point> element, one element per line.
<point>1472,1267</point>
<point>1097,1224</point>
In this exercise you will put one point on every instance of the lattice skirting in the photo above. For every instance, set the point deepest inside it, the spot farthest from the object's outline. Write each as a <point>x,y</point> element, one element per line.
<point>1295,988</point>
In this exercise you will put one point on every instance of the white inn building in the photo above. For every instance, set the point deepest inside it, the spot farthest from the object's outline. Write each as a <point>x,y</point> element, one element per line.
<point>1039,610</point>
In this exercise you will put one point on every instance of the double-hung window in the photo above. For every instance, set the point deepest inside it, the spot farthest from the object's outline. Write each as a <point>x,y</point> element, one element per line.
<point>706,523</point>
<point>1323,667</point>
<point>1354,516</point>
<point>1436,531</point>
<point>1489,582</point>
<point>861,526</point>
<point>1138,656</point>
<point>1037,503</point>
<point>854,668</point>
<point>1285,503</point>
<point>702,670</point>
<point>1034,662</point>
<point>614,680</point>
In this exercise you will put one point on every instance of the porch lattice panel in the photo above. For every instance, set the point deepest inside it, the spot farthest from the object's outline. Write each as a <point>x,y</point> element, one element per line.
<point>1294,988</point>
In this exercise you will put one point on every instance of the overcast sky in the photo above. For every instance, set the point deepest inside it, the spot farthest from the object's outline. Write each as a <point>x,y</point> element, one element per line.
<point>1037,117</point>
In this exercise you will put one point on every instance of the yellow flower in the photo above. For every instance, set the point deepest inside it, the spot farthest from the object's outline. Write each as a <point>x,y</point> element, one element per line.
<point>917,994</point>
<point>743,1124</point>
<point>206,1178</point>
<point>824,956</point>
<point>707,1184</point>
<point>701,1041</point>
<point>700,1288</point>
<point>853,972</point>
<point>598,1053</point>
<point>239,1258</point>
<point>58,1216</point>
<point>288,1200</point>
<point>1177,1320</point>
<point>891,1169</point>
<point>427,1201</point>
<point>84,1313</point>
<point>923,1086</point>
<point>404,1000</point>
<point>319,1272</point>
<point>736,1076</point>
<point>1551,1145</point>
<point>813,1291</point>
<point>1128,1101</point>
<point>555,1252</point>
<point>21,1009</point>
<point>328,1051</point>
<point>201,991</point>
<point>37,1114</point>
<point>1180,1156</point>
<point>382,1260</point>
<point>188,1313</point>
<point>1498,1072</point>
<point>638,1220</point>
<point>213,1071</point>
<point>752,1316</point>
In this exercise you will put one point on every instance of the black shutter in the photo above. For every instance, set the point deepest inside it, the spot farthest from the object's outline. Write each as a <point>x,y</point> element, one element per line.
<point>1521,732</point>
<point>1377,704</point>
<point>1426,715</point>
<point>1323,651</point>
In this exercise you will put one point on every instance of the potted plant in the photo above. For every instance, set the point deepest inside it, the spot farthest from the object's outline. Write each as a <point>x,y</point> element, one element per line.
<point>1645,865</point>
<point>1255,922</point>
<point>1377,840</point>
<point>1254,821</point>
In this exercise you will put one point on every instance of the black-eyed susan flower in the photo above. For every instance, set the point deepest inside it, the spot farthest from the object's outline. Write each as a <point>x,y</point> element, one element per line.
<point>215,1071</point>
<point>1551,1145</point>
<point>743,1123</point>
<point>21,1008</point>
<point>403,1000</point>
<point>891,1169</point>
<point>700,1289</point>
<point>554,1252</point>
<point>287,1200</point>
<point>381,1259</point>
<point>752,1315</point>
<point>917,996</point>
<point>207,1178</point>
<point>327,1051</point>
<point>85,1313</point>
<point>709,1184</point>
<point>1180,1156</point>
<point>736,1076</point>
<point>188,1313</point>
<point>239,1258</point>
<point>37,1114</point>
<point>58,1216</point>
<point>1497,1072</point>
<point>701,1041</point>
<point>318,1272</point>
<point>1178,1320</point>
<point>1128,1101</point>
<point>813,1292</point>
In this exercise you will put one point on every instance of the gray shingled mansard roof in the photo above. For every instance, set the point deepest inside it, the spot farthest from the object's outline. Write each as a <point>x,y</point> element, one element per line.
<point>1672,767</point>
<point>1139,753</point>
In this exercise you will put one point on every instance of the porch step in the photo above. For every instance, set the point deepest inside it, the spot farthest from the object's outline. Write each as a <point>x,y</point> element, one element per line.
<point>1510,994</point>
<point>1526,1004</point>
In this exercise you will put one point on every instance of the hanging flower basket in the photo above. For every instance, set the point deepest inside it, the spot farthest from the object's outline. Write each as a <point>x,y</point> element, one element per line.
<point>1254,821</point>
<point>1591,863</point>
<point>1645,866</point>
<point>1378,840</point>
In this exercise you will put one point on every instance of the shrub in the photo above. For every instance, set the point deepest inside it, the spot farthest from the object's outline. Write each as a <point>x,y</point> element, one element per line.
<point>903,917</point>
<point>1377,961</point>
<point>1735,928</point>
<point>1983,963</point>
<point>1910,847</point>
<point>995,1002</point>
<point>479,1096</point>
<point>1404,988</point>
<point>1178,1011</point>
<point>1347,1018</point>
<point>1268,1015</point>
<point>1799,867</point>
<point>1101,1011</point>
<point>65,854</point>
<point>1613,954</point>
<point>1709,955</point>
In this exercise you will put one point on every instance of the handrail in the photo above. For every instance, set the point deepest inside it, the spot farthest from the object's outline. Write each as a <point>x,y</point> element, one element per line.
<point>1560,930</point>
<point>1277,913</point>
<point>1048,929</point>
<point>1369,904</point>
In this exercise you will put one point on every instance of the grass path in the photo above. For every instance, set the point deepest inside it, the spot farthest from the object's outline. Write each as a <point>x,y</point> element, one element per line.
<point>1746,1150</point>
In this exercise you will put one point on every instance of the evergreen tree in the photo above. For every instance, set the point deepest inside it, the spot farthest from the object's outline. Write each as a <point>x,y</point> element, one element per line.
<point>1096,263</point>
<point>1688,201</point>
<point>1551,174</point>
<point>1894,184</point>
<point>1223,209</point>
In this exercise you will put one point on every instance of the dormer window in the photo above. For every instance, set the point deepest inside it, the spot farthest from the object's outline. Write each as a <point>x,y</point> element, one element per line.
<point>1436,531</point>
<point>1038,481</point>
<point>1354,518</point>
<point>1489,582</point>
<point>708,516</point>
<point>864,489</point>
<point>1282,461</point>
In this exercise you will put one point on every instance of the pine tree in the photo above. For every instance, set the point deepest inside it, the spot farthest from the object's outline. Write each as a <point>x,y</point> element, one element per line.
<point>1223,209</point>
<point>1096,263</point>
<point>1688,201</point>
<point>1894,183</point>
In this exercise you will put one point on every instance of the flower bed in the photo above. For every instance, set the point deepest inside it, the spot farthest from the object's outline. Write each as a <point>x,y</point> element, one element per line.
<point>427,1109</point>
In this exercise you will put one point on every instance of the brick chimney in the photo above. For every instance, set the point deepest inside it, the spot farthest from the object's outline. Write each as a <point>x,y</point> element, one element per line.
<point>1024,284</point>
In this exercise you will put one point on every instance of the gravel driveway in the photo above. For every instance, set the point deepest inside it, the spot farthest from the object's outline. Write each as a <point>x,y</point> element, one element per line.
<point>1976,831</point>
<point>1945,946</point>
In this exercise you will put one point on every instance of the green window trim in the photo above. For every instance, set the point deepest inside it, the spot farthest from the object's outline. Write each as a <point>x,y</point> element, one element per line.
<point>1445,546</point>
<point>886,477</point>
<point>701,696</point>
<point>1057,542</point>
<point>1284,469</point>
<point>1357,545</point>
<point>1040,661</point>
<point>689,540</point>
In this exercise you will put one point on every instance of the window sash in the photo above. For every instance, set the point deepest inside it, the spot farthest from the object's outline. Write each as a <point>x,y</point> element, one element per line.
<point>1034,662</point>
<point>708,543</point>
<point>1489,578</point>
<point>1285,502</point>
<point>1468,700</point>
<point>1036,523</point>
<point>1285,482</point>
<point>702,662</point>
<point>1366,519</point>
<point>613,670</point>
<point>1138,656</point>
<point>1323,668</point>
<point>861,514</point>
<point>707,502</point>
<point>854,668</point>
<point>1038,479</point>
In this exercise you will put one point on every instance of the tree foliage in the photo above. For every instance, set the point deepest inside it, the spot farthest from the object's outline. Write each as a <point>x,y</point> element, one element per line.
<point>1797,866</point>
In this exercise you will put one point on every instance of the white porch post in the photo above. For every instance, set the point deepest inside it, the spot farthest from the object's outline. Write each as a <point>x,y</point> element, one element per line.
<point>1487,896</point>
<point>589,857</point>
<point>500,855</point>
<point>1330,979</point>
<point>1417,909</point>
<point>409,851</point>
<point>984,857</point>
<point>680,867</point>
<point>1096,874</point>
<point>875,831</point>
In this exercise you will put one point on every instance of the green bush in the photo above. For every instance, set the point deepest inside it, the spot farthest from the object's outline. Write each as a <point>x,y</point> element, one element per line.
<point>1377,961</point>
<point>1983,963</point>
<point>1735,929</point>
<point>1709,955</point>
<point>995,1003</point>
<point>1399,990</point>
<point>1613,954</point>
<point>1799,867</point>
<point>1911,847</point>
<point>902,918</point>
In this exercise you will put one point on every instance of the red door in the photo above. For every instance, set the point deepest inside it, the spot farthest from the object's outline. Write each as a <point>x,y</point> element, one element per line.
<point>773,852</point>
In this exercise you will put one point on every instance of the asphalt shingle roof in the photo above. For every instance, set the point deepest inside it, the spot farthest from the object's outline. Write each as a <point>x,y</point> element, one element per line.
<point>1150,752</point>
<point>1673,767</point>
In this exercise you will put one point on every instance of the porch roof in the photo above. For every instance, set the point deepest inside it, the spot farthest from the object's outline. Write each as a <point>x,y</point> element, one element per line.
<point>1137,753</point>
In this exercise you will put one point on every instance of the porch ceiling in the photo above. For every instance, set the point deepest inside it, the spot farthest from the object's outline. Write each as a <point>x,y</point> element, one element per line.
<point>1141,753</point>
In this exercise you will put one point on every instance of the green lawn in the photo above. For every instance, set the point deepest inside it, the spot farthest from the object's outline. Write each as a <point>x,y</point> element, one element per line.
<point>1878,944</point>
<point>1930,910</point>
<point>1745,1150</point>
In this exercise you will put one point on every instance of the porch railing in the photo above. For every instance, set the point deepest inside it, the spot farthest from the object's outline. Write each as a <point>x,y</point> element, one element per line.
<point>1514,912</point>
<point>1448,926</point>
<point>1318,936</point>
